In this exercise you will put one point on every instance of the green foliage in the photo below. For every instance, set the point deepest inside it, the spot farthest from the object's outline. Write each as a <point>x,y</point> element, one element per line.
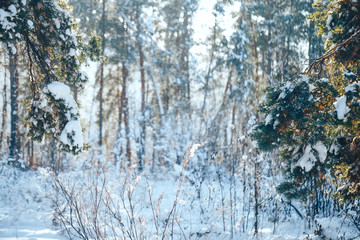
<point>315,121</point>
<point>290,191</point>
<point>54,52</point>
<point>93,49</point>
<point>338,21</point>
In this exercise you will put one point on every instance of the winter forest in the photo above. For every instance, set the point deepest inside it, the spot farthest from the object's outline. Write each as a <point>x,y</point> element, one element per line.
<point>180,119</point>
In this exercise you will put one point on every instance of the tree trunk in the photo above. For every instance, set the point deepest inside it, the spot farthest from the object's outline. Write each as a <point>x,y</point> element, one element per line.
<point>256,57</point>
<point>141,151</point>
<point>102,75</point>
<point>14,84</point>
<point>269,48</point>
<point>127,131</point>
<point>185,58</point>
<point>288,42</point>
<point>256,196</point>
<point>311,31</point>
<point>4,110</point>
<point>207,76</point>
<point>125,110</point>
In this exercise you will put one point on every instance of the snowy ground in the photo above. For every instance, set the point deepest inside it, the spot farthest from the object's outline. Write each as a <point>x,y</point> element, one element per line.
<point>26,208</point>
<point>24,212</point>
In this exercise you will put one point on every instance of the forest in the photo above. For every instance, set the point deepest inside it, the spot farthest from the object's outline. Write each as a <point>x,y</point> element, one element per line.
<point>180,119</point>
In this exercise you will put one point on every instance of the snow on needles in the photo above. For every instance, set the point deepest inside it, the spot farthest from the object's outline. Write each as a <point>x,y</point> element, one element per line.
<point>308,160</point>
<point>341,108</point>
<point>71,135</point>
<point>352,87</point>
<point>74,130</point>
<point>61,91</point>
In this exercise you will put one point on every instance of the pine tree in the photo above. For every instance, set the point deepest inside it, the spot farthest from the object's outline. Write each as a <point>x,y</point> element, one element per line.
<point>313,119</point>
<point>338,23</point>
<point>46,32</point>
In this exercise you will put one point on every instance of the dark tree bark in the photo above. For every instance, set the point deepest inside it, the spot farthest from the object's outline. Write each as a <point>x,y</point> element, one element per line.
<point>184,60</point>
<point>256,196</point>
<point>127,126</point>
<point>4,109</point>
<point>124,111</point>
<point>14,85</point>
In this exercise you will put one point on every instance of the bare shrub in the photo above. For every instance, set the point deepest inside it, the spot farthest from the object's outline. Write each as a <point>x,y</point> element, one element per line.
<point>93,208</point>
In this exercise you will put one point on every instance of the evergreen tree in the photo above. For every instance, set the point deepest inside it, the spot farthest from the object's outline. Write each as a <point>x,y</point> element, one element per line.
<point>313,119</point>
<point>46,32</point>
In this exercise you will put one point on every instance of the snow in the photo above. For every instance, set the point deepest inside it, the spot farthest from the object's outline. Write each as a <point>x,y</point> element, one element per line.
<point>84,75</point>
<point>321,150</point>
<point>193,150</point>
<point>72,128</point>
<point>330,34</point>
<point>27,210</point>
<point>276,123</point>
<point>72,52</point>
<point>61,91</point>
<point>328,22</point>
<point>4,22</point>
<point>68,32</point>
<point>352,87</point>
<point>334,148</point>
<point>349,74</point>
<point>323,80</point>
<point>57,22</point>
<point>12,9</point>
<point>71,135</point>
<point>60,9</point>
<point>308,160</point>
<point>30,23</point>
<point>335,227</point>
<point>289,87</point>
<point>30,215</point>
<point>268,119</point>
<point>312,87</point>
<point>341,108</point>
<point>13,48</point>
